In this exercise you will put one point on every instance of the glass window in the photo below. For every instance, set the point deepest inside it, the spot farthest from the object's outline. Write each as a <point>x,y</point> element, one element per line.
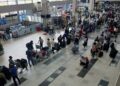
<point>28,1</point>
<point>3,2</point>
<point>21,1</point>
<point>3,15</point>
<point>11,2</point>
<point>13,12</point>
<point>34,1</point>
<point>55,0</point>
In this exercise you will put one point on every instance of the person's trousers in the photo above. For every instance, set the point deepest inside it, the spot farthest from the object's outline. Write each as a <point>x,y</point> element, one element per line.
<point>14,80</point>
<point>30,61</point>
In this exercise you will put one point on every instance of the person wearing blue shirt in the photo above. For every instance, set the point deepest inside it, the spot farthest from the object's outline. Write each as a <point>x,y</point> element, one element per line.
<point>13,71</point>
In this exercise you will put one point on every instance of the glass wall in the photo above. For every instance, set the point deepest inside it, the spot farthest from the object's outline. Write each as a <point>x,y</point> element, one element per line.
<point>23,15</point>
<point>3,2</point>
<point>11,2</point>
<point>14,2</point>
<point>28,1</point>
<point>34,1</point>
<point>21,1</point>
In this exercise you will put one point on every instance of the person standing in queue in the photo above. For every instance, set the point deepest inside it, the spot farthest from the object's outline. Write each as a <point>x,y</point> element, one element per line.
<point>60,40</point>
<point>29,54</point>
<point>13,71</point>
<point>40,42</point>
<point>31,45</point>
<point>113,51</point>
<point>11,62</point>
<point>2,79</point>
<point>53,45</point>
<point>48,43</point>
<point>85,42</point>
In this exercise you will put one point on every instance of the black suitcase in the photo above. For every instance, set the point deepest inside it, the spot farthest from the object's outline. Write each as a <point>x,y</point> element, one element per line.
<point>100,54</point>
<point>57,46</point>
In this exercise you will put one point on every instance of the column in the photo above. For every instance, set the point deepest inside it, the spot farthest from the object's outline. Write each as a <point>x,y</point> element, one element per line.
<point>74,7</point>
<point>91,5</point>
<point>44,6</point>
<point>18,12</point>
<point>74,13</point>
<point>45,10</point>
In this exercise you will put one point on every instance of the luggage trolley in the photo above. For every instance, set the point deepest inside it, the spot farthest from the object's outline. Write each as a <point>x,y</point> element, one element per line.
<point>37,46</point>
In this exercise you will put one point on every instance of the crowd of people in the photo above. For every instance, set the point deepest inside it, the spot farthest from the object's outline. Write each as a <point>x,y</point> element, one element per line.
<point>106,41</point>
<point>102,44</point>
<point>8,73</point>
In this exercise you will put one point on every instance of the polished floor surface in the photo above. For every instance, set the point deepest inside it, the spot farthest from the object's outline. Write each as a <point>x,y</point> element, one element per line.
<point>62,68</point>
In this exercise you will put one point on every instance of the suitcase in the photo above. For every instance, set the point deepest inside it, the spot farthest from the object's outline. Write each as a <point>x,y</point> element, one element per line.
<point>57,46</point>
<point>100,54</point>
<point>75,49</point>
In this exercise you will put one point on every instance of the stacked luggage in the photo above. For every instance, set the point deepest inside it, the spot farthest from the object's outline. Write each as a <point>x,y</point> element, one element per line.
<point>21,63</point>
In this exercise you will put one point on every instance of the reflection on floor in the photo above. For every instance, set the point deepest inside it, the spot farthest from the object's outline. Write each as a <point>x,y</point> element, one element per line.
<point>62,68</point>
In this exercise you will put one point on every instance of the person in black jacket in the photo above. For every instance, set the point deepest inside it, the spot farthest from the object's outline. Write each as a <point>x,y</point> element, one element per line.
<point>29,45</point>
<point>113,51</point>
<point>63,43</point>
<point>85,42</point>
<point>60,40</point>
<point>2,79</point>
<point>106,46</point>
<point>29,57</point>
<point>66,31</point>
<point>76,41</point>
<point>68,39</point>
<point>6,72</point>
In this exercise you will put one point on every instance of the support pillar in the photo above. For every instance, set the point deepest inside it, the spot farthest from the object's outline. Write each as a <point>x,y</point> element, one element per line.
<point>91,5</point>
<point>74,14</point>
<point>74,7</point>
<point>45,10</point>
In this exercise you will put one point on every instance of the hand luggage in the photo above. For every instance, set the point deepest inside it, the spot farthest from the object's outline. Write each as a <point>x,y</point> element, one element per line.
<point>75,49</point>
<point>57,46</point>
<point>100,54</point>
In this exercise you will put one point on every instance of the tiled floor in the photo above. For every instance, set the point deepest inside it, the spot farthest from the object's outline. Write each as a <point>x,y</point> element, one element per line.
<point>17,47</point>
<point>62,69</point>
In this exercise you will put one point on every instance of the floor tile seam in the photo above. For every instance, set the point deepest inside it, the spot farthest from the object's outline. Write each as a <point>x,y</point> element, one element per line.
<point>116,83</point>
<point>66,61</point>
<point>103,63</point>
<point>99,74</point>
<point>87,71</point>
<point>53,73</point>
<point>97,71</point>
<point>47,74</point>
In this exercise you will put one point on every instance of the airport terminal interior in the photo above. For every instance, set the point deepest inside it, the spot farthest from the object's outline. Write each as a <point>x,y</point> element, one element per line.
<point>59,42</point>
